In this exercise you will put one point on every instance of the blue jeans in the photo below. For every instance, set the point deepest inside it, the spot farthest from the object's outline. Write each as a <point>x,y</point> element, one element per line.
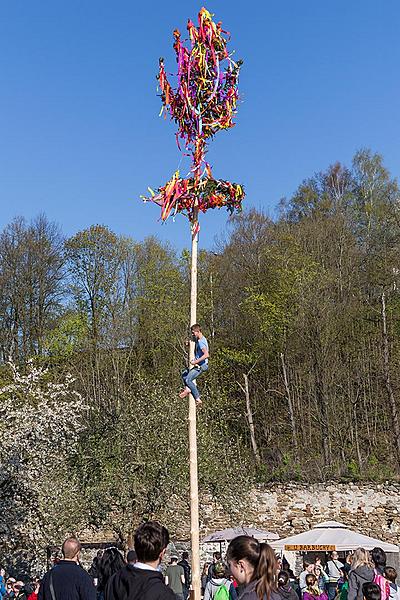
<point>331,590</point>
<point>189,376</point>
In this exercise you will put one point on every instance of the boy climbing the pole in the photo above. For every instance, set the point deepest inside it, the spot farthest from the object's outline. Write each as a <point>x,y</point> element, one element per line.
<point>199,364</point>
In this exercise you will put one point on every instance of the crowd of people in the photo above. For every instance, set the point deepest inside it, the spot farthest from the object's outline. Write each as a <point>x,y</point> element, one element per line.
<point>250,571</point>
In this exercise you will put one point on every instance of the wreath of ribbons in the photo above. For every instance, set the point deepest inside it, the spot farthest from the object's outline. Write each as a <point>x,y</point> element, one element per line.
<point>204,103</point>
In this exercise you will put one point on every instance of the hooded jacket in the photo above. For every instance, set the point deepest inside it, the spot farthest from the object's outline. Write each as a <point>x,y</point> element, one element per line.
<point>138,584</point>
<point>357,578</point>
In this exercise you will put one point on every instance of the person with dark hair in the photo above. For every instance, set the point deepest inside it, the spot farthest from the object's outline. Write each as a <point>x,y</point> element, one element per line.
<point>175,578</point>
<point>308,567</point>
<point>143,581</point>
<point>217,557</point>
<point>94,567</point>
<point>67,580</point>
<point>285,590</point>
<point>379,559</point>
<point>254,566</point>
<point>361,572</point>
<point>184,563</point>
<point>199,364</point>
<point>110,563</point>
<point>371,591</point>
<point>391,576</point>
<point>322,577</point>
<point>220,579</point>
<point>131,557</point>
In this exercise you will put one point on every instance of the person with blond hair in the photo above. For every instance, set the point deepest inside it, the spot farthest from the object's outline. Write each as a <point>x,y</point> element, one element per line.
<point>361,572</point>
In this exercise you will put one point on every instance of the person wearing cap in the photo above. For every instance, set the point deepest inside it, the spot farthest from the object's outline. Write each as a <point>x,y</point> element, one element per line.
<point>220,579</point>
<point>175,578</point>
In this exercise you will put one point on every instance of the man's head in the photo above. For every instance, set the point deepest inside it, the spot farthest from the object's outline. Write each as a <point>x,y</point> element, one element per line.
<point>174,560</point>
<point>151,540</point>
<point>185,555</point>
<point>391,574</point>
<point>371,591</point>
<point>131,557</point>
<point>196,331</point>
<point>71,548</point>
<point>334,555</point>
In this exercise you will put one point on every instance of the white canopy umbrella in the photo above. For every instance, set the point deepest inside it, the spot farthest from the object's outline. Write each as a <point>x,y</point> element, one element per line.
<point>229,534</point>
<point>328,536</point>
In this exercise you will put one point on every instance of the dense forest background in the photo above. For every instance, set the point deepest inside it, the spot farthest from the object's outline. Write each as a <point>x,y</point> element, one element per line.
<point>302,314</point>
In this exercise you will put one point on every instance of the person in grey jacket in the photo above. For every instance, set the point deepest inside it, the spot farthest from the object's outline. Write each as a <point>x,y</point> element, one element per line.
<point>361,572</point>
<point>255,568</point>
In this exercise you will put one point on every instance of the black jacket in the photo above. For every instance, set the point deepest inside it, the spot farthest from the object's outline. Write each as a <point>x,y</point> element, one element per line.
<point>70,582</point>
<point>356,580</point>
<point>187,571</point>
<point>138,584</point>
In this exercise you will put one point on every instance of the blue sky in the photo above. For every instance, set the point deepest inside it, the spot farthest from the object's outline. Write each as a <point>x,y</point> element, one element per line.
<point>80,137</point>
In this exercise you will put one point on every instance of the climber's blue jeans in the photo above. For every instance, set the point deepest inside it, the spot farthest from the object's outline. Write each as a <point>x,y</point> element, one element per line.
<point>189,376</point>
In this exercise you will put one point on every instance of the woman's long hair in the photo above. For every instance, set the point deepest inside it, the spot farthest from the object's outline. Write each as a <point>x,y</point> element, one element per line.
<point>111,562</point>
<point>261,557</point>
<point>361,557</point>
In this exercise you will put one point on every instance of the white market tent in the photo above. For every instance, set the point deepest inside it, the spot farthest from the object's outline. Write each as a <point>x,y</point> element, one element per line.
<point>328,536</point>
<point>229,534</point>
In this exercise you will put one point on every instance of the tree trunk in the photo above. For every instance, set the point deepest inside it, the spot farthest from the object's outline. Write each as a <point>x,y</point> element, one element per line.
<point>194,487</point>
<point>388,382</point>
<point>291,410</point>
<point>249,416</point>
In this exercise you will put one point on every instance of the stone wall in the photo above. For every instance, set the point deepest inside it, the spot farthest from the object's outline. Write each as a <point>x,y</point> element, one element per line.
<point>287,509</point>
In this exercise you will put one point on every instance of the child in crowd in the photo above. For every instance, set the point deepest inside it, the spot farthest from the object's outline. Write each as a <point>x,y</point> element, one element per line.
<point>219,579</point>
<point>285,590</point>
<point>371,591</point>
<point>308,567</point>
<point>312,591</point>
<point>391,575</point>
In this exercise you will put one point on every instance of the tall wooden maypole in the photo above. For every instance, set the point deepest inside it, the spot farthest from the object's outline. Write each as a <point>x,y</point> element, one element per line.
<point>193,472</point>
<point>203,103</point>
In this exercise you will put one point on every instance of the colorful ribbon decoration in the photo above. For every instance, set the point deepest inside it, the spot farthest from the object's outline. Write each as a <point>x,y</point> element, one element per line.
<point>204,102</point>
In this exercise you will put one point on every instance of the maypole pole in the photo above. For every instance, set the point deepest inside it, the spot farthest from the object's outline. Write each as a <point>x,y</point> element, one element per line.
<point>193,472</point>
<point>203,104</point>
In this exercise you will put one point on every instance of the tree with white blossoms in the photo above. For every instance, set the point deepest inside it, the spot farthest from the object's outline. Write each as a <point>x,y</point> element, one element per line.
<point>40,422</point>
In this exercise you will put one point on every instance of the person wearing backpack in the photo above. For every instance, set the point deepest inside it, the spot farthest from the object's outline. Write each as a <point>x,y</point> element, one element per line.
<point>220,587</point>
<point>379,559</point>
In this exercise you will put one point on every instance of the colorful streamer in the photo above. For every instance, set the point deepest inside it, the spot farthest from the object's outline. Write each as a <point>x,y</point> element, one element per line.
<point>204,103</point>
